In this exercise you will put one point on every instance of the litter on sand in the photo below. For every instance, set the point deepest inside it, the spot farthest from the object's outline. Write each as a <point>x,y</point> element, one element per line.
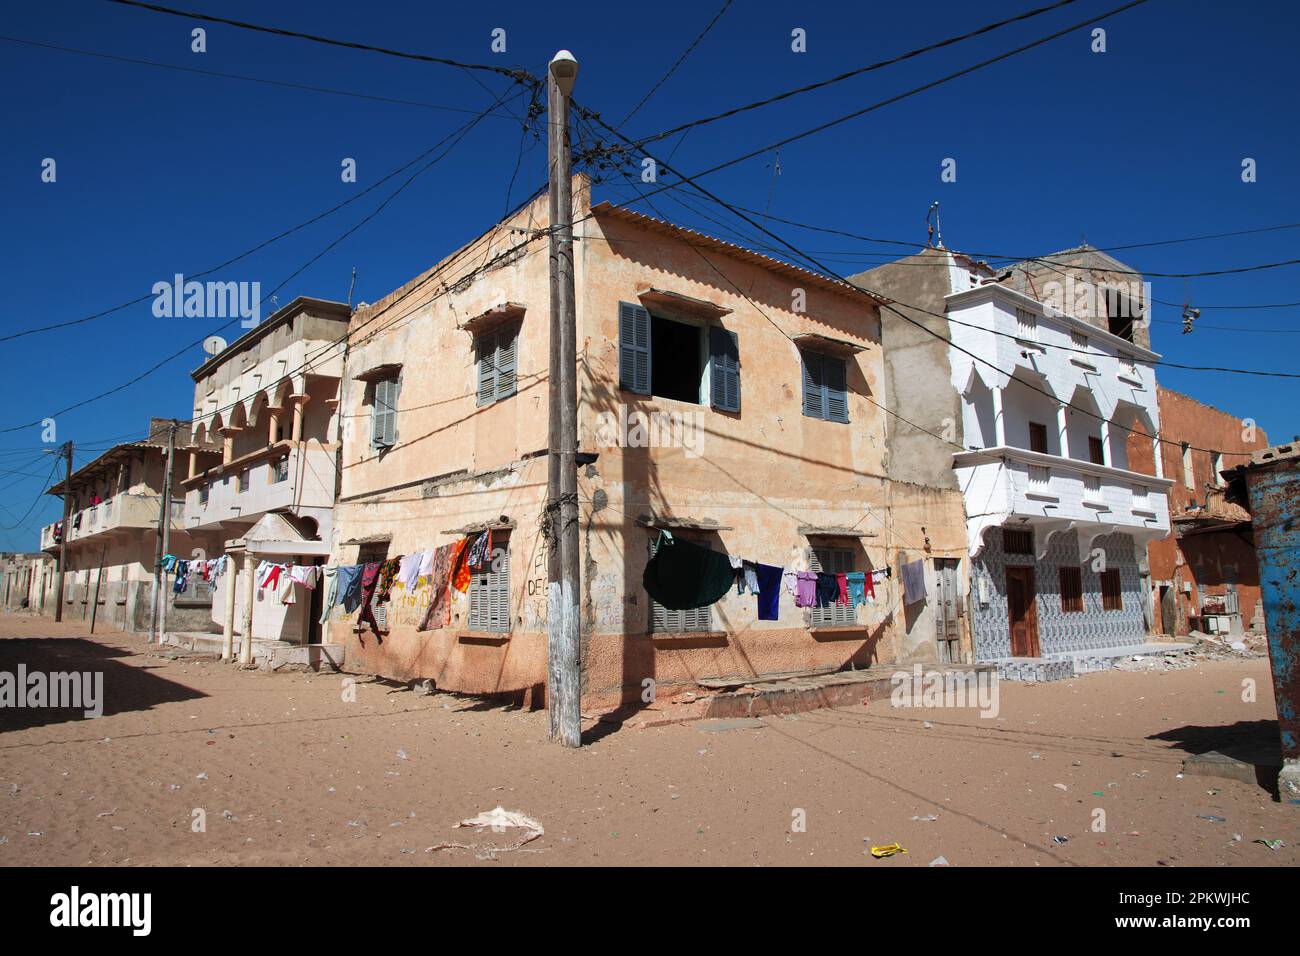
<point>1271,844</point>
<point>499,820</point>
<point>889,849</point>
<point>939,861</point>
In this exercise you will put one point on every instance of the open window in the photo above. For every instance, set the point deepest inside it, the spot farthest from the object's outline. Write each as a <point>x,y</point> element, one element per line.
<point>1122,314</point>
<point>678,360</point>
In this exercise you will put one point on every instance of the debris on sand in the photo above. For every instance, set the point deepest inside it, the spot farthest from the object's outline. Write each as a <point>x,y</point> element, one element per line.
<point>499,820</point>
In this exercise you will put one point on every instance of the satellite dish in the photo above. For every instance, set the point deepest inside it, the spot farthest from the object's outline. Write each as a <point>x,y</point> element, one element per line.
<point>214,344</point>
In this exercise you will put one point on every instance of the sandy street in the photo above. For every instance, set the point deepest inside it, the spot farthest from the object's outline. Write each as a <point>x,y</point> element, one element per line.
<point>286,771</point>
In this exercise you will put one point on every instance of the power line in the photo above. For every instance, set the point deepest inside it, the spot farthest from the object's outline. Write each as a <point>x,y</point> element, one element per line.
<point>1050,257</point>
<point>678,62</point>
<point>876,296</point>
<point>455,138</point>
<point>875,106</point>
<point>987,28</point>
<point>1064,348</point>
<point>310,360</point>
<point>253,79</point>
<point>254,249</point>
<point>514,74</point>
<point>21,521</point>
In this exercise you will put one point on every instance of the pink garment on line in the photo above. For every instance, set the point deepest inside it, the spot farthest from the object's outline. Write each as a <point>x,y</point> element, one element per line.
<point>806,592</point>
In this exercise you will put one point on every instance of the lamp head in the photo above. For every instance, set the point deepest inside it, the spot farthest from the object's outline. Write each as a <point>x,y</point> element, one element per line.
<point>565,70</point>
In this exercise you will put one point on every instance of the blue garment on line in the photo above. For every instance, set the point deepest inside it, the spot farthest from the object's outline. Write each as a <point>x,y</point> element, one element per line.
<point>349,593</point>
<point>769,591</point>
<point>857,587</point>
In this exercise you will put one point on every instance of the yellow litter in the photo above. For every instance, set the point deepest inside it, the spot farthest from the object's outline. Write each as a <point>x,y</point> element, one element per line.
<point>889,849</point>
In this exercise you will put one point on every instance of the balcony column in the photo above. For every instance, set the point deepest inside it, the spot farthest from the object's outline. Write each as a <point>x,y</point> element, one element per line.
<point>228,626</point>
<point>999,424</point>
<point>1155,454</point>
<point>228,443</point>
<point>1062,429</point>
<point>1105,442</point>
<point>250,586</point>
<point>274,425</point>
<point>299,405</point>
<point>194,464</point>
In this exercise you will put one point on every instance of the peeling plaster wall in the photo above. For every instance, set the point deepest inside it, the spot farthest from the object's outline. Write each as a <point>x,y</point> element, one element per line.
<point>759,475</point>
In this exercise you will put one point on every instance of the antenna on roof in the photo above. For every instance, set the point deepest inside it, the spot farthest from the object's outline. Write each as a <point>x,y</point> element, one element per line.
<point>934,235</point>
<point>214,345</point>
<point>352,286</point>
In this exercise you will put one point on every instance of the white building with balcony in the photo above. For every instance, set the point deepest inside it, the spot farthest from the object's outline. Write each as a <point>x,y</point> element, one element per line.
<point>1028,412</point>
<point>270,400</point>
<point>1056,520</point>
<point>112,535</point>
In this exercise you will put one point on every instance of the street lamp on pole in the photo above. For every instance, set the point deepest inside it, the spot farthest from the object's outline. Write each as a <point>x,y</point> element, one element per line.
<point>563,691</point>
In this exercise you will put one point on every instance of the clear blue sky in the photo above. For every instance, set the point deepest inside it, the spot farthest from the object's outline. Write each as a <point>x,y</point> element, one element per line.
<point>162,172</point>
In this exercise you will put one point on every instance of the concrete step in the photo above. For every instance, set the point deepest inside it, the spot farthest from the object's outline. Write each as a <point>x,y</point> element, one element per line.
<point>1063,666</point>
<point>267,654</point>
<point>764,696</point>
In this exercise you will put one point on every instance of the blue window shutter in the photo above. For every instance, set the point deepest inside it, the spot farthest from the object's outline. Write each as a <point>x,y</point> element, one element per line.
<point>837,399</point>
<point>814,393</point>
<point>724,371</point>
<point>487,381</point>
<point>505,361</point>
<point>633,348</point>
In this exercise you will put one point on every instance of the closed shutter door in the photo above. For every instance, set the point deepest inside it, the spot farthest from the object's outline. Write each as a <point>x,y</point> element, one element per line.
<point>385,420</point>
<point>486,362</point>
<point>489,591</point>
<point>814,396</point>
<point>633,348</point>
<point>832,561</point>
<point>666,621</point>
<point>724,371</point>
<point>505,362</point>
<point>499,588</point>
<point>837,399</point>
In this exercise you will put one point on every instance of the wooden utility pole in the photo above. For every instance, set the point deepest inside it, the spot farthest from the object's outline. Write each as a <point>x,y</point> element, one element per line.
<point>166,524</point>
<point>94,608</point>
<point>563,692</point>
<point>67,530</point>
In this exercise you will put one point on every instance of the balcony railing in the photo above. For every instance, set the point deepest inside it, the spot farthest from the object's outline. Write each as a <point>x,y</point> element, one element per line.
<point>300,477</point>
<point>1006,482</point>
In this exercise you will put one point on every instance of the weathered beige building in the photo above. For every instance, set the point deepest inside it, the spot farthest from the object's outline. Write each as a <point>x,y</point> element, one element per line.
<point>725,396</point>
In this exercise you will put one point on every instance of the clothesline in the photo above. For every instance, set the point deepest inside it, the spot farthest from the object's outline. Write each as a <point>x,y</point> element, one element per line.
<point>447,568</point>
<point>682,575</point>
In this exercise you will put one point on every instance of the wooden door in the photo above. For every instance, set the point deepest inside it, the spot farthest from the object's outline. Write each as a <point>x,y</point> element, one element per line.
<point>947,609</point>
<point>1022,613</point>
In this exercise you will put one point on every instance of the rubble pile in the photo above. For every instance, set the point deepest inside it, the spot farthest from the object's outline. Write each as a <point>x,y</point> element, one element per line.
<point>1208,648</point>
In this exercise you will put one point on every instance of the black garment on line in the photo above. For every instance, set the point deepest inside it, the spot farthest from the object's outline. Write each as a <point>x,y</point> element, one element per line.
<point>828,589</point>
<point>682,575</point>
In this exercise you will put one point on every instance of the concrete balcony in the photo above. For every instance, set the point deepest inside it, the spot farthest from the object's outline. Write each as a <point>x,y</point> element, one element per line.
<point>123,512</point>
<point>1051,493</point>
<point>284,476</point>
